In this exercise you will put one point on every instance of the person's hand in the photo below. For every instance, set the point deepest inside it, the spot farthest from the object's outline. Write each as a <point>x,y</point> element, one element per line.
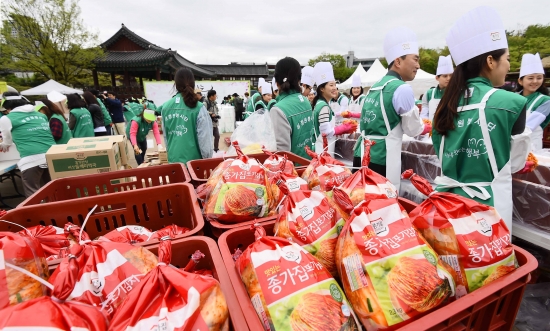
<point>529,167</point>
<point>345,128</point>
<point>427,128</point>
<point>346,114</point>
<point>160,147</point>
<point>137,150</point>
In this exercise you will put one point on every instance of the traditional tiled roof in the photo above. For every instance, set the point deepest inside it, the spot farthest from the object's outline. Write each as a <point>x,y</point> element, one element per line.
<point>124,31</point>
<point>237,69</point>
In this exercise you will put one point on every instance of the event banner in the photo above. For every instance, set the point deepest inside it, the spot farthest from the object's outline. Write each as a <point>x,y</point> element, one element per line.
<point>160,92</point>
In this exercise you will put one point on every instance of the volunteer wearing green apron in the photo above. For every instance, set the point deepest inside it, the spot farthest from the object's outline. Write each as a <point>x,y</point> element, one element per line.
<point>531,86</point>
<point>58,124</point>
<point>291,117</point>
<point>389,108</point>
<point>186,123</point>
<point>273,100</point>
<point>30,131</point>
<point>80,119</point>
<point>323,118</point>
<point>266,96</point>
<point>137,131</point>
<point>106,116</point>
<point>478,131</point>
<point>307,81</point>
<point>251,104</point>
<point>431,98</point>
<point>338,105</point>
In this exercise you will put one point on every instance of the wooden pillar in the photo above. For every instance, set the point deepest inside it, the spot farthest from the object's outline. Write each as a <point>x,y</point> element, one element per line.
<point>141,82</point>
<point>126,78</point>
<point>157,74</point>
<point>96,80</point>
<point>113,80</point>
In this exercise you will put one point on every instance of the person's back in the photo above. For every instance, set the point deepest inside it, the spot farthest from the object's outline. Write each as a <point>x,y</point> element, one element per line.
<point>83,126</point>
<point>115,108</point>
<point>97,115</point>
<point>30,131</point>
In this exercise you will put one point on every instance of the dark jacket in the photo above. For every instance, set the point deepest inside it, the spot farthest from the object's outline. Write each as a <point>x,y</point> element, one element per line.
<point>115,109</point>
<point>97,115</point>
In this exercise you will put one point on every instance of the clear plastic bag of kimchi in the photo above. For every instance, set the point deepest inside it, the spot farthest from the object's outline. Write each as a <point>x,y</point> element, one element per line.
<point>243,192</point>
<point>133,234</point>
<point>389,273</point>
<point>471,237</point>
<point>290,289</point>
<point>324,172</point>
<point>204,190</point>
<point>168,298</point>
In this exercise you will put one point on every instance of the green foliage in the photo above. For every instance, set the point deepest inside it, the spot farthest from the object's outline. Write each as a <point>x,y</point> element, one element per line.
<point>533,39</point>
<point>50,40</point>
<point>341,72</point>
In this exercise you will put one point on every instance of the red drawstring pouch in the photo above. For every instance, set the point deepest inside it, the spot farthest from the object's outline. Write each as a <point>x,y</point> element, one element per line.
<point>290,289</point>
<point>470,236</point>
<point>132,234</point>
<point>52,238</point>
<point>168,298</point>
<point>276,163</point>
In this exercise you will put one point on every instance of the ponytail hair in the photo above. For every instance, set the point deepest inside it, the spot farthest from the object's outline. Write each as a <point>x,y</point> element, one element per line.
<point>319,95</point>
<point>184,83</point>
<point>287,75</point>
<point>456,90</point>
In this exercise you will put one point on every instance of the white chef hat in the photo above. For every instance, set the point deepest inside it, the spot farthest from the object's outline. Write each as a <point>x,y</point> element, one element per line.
<point>477,32</point>
<point>261,80</point>
<point>307,76</point>
<point>444,65</point>
<point>274,85</point>
<point>266,87</point>
<point>356,81</point>
<point>398,42</point>
<point>322,72</point>
<point>531,64</point>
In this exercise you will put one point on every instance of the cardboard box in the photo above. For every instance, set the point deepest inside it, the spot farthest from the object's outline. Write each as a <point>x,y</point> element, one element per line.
<point>125,152</point>
<point>76,160</point>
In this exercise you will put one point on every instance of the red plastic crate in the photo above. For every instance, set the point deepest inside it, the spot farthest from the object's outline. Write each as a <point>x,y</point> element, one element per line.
<point>153,208</point>
<point>493,307</point>
<point>110,182</point>
<point>200,170</point>
<point>181,252</point>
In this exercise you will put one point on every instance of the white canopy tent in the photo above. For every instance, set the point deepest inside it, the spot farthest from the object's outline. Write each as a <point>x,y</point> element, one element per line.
<point>368,78</point>
<point>50,86</point>
<point>422,82</point>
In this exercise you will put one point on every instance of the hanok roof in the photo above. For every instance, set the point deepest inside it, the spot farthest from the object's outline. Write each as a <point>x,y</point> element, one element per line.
<point>128,51</point>
<point>238,69</point>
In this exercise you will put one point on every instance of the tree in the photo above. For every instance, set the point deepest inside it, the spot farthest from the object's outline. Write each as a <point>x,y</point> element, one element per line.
<point>49,38</point>
<point>533,39</point>
<point>341,72</point>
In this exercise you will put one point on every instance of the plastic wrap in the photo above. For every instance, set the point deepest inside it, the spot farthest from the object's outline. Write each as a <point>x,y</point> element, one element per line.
<point>344,146</point>
<point>534,309</point>
<point>531,203</point>
<point>204,190</point>
<point>255,130</point>
<point>172,299</point>
<point>420,155</point>
<point>408,191</point>
<point>52,238</point>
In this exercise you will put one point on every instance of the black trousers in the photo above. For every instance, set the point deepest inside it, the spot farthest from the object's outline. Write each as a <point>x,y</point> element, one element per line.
<point>100,134</point>
<point>239,116</point>
<point>378,168</point>
<point>216,134</point>
<point>143,146</point>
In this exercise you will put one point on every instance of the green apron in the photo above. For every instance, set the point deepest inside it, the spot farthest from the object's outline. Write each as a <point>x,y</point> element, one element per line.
<point>67,135</point>
<point>143,128</point>
<point>84,126</point>
<point>297,110</point>
<point>31,133</point>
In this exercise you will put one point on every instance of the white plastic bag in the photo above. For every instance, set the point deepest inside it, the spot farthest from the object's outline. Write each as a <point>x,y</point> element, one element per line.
<point>254,132</point>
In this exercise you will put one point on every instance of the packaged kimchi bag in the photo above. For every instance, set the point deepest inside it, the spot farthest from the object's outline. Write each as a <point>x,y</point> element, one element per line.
<point>363,185</point>
<point>55,312</point>
<point>292,182</point>
<point>192,265</point>
<point>324,172</point>
<point>389,273</point>
<point>132,234</point>
<point>51,238</point>
<point>168,298</point>
<point>107,271</point>
<point>310,219</point>
<point>290,289</point>
<point>471,237</point>
<point>204,190</point>
<point>24,252</point>
<point>276,163</point>
<point>243,193</point>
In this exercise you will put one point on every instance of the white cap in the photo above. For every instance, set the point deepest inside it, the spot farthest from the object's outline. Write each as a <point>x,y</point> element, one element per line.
<point>477,32</point>
<point>266,87</point>
<point>531,64</point>
<point>322,72</point>
<point>444,65</point>
<point>356,81</point>
<point>307,76</point>
<point>261,80</point>
<point>398,42</point>
<point>274,85</point>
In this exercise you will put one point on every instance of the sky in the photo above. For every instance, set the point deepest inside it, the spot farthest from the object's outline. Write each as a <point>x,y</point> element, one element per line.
<point>220,32</point>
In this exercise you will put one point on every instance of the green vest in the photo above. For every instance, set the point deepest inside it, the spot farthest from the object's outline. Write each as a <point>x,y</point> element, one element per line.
<point>271,104</point>
<point>31,132</point>
<point>297,110</point>
<point>372,121</point>
<point>106,116</point>
<point>150,105</point>
<point>318,106</point>
<point>250,107</point>
<point>437,95</point>
<point>531,98</point>
<point>136,108</point>
<point>180,126</point>
<point>464,157</point>
<point>84,126</point>
<point>143,128</point>
<point>261,103</point>
<point>67,135</point>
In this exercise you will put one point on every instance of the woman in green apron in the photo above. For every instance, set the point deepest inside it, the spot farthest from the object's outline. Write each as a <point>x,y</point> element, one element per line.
<point>531,86</point>
<point>186,123</point>
<point>266,96</point>
<point>80,119</point>
<point>431,98</point>
<point>323,118</point>
<point>58,124</point>
<point>291,117</point>
<point>137,130</point>
<point>478,131</point>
